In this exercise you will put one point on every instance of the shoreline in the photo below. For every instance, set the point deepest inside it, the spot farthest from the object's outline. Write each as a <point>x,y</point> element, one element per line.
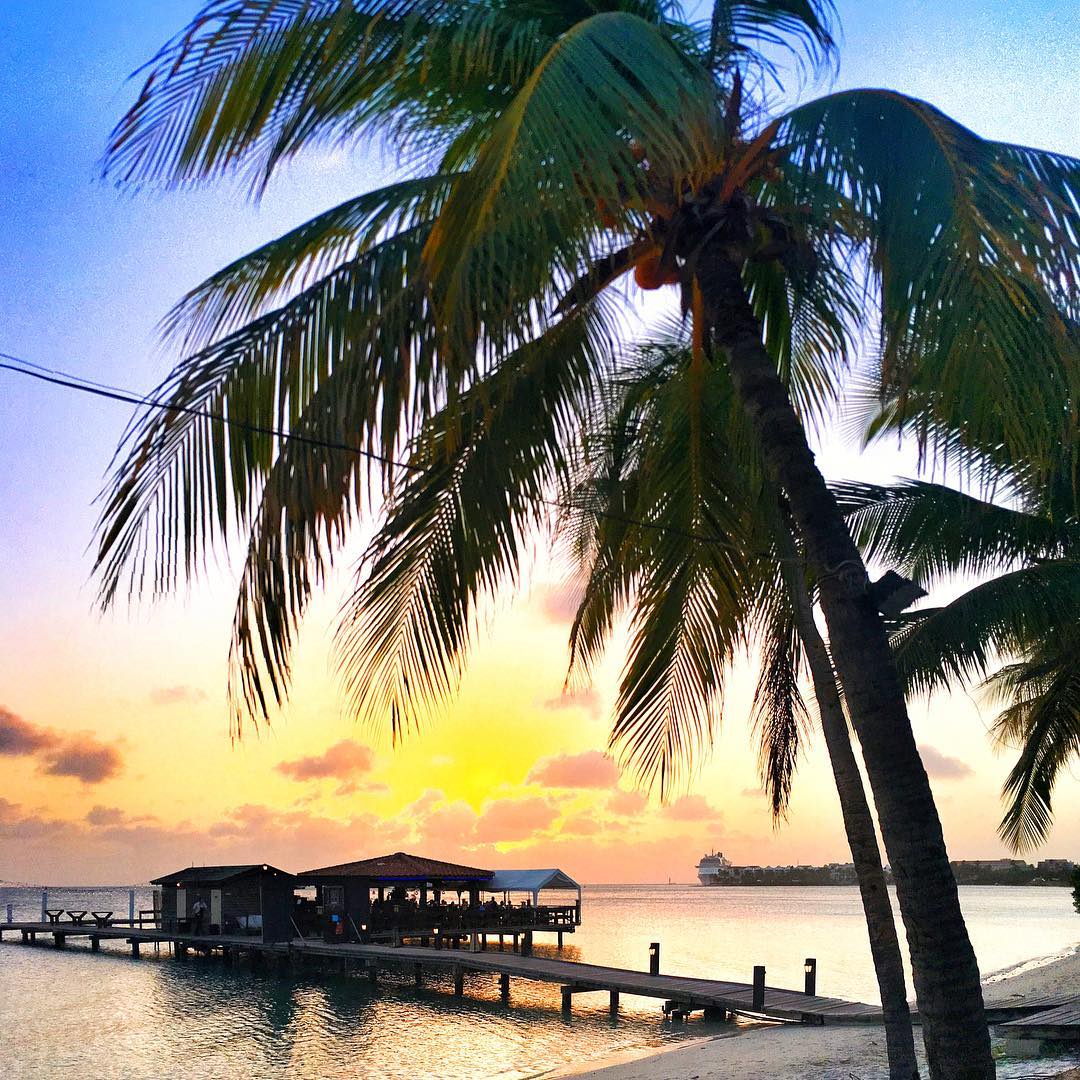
<point>792,1052</point>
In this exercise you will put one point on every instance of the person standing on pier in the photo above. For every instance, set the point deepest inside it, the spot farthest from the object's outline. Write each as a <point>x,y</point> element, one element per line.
<point>198,914</point>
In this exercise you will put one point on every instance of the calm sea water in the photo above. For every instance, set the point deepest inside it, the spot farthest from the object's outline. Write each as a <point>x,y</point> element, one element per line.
<point>74,1014</point>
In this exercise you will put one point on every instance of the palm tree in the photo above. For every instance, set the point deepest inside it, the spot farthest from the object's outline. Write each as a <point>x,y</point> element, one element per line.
<point>725,572</point>
<point>1016,630</point>
<point>549,148</point>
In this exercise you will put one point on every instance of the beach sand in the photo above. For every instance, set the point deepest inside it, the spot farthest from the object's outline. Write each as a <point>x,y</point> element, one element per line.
<point>790,1052</point>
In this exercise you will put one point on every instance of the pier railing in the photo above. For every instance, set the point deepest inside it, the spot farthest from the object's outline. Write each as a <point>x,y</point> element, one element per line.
<point>554,917</point>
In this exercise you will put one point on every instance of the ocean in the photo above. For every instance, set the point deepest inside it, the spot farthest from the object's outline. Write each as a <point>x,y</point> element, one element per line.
<point>73,1014</point>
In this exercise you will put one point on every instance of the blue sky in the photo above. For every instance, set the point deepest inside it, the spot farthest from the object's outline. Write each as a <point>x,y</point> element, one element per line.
<point>88,271</point>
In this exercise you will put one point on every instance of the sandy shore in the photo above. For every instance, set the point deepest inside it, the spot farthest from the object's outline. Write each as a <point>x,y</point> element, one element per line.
<point>782,1052</point>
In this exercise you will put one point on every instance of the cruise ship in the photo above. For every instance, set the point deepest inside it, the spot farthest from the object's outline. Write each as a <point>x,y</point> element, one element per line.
<point>712,868</point>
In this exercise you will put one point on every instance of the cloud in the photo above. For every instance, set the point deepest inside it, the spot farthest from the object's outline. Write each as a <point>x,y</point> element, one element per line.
<point>85,759</point>
<point>514,819</point>
<point>592,769</point>
<point>692,808</point>
<point>18,737</point>
<point>589,700</point>
<point>560,603</point>
<point>943,767</point>
<point>627,802</point>
<point>177,695</point>
<point>343,761</point>
<point>752,793</point>
<point>106,815</point>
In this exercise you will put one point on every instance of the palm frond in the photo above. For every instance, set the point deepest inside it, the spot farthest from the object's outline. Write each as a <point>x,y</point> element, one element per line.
<point>996,619</point>
<point>1043,718</point>
<point>520,229</point>
<point>976,255</point>
<point>484,474</point>
<point>779,714</point>
<point>930,531</point>
<point>185,474</point>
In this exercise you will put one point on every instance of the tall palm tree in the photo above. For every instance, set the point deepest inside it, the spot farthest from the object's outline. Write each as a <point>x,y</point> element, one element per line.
<point>728,573</point>
<point>550,147</point>
<point>1016,630</point>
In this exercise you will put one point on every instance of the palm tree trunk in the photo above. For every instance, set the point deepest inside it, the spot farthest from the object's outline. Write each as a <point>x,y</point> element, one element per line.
<point>946,973</point>
<point>858,825</point>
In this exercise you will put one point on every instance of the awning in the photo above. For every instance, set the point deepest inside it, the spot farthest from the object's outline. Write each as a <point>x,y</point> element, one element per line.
<point>530,881</point>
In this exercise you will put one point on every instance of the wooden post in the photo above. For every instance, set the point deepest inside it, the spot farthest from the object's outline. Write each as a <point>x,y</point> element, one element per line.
<point>500,941</point>
<point>95,942</point>
<point>131,907</point>
<point>515,941</point>
<point>459,980</point>
<point>810,970</point>
<point>44,903</point>
<point>134,948</point>
<point>483,942</point>
<point>654,958</point>
<point>613,1002</point>
<point>418,975</point>
<point>527,943</point>
<point>504,987</point>
<point>26,936</point>
<point>11,913</point>
<point>759,988</point>
<point>567,999</point>
<point>373,972</point>
<point>181,951</point>
<point>59,940</point>
<point>560,939</point>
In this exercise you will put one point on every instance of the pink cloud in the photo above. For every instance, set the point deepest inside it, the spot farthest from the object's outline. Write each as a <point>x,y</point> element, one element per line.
<point>692,808</point>
<point>84,759</point>
<point>514,819</point>
<point>18,737</point>
<point>591,769</point>
<point>627,802</point>
<point>943,767</point>
<point>589,700</point>
<point>560,602</point>
<point>177,695</point>
<point>343,761</point>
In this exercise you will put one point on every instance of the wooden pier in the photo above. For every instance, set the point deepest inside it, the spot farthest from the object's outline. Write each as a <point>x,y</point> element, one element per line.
<point>681,995</point>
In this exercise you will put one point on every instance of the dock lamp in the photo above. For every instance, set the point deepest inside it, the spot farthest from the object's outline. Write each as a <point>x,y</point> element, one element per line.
<point>810,971</point>
<point>654,958</point>
<point>436,933</point>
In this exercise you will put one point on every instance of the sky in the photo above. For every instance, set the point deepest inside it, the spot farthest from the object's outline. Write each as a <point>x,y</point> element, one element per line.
<point>115,758</point>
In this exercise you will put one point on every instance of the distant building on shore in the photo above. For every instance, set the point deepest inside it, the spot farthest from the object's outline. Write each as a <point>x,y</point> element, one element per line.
<point>715,869</point>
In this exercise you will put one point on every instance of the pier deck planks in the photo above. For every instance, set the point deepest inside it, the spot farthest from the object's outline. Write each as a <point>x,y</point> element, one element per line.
<point>735,997</point>
<point>1062,1022</point>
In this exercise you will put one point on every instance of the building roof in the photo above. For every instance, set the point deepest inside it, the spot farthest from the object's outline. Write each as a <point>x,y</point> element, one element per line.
<point>530,881</point>
<point>400,866</point>
<point>206,874</point>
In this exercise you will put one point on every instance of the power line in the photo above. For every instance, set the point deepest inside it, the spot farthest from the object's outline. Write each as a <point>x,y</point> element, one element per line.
<point>69,381</point>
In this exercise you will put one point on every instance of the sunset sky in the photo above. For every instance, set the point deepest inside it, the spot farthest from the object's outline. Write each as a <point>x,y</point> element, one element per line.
<point>115,758</point>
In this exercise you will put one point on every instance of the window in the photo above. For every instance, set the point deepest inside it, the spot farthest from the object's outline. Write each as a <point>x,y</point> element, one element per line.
<point>334,895</point>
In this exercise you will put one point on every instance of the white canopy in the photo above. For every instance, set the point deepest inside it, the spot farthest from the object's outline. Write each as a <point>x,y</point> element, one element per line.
<point>531,881</point>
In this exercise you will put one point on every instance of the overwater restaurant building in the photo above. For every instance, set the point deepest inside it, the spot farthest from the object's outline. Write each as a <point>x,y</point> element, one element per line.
<point>410,895</point>
<point>254,899</point>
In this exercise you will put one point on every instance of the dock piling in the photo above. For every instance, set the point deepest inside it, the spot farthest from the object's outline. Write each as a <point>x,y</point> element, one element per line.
<point>810,970</point>
<point>654,958</point>
<point>95,943</point>
<point>504,987</point>
<point>613,1002</point>
<point>134,948</point>
<point>44,903</point>
<point>59,940</point>
<point>11,913</point>
<point>418,975</point>
<point>459,980</point>
<point>759,988</point>
<point>131,908</point>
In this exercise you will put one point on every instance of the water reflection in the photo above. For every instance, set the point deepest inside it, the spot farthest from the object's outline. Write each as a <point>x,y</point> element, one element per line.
<point>201,1018</point>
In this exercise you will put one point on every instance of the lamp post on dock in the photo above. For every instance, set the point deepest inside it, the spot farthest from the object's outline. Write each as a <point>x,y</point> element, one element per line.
<point>810,971</point>
<point>654,958</point>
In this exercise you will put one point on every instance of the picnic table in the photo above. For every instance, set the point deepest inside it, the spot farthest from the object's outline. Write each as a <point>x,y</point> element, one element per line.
<point>102,918</point>
<point>53,914</point>
<point>77,917</point>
